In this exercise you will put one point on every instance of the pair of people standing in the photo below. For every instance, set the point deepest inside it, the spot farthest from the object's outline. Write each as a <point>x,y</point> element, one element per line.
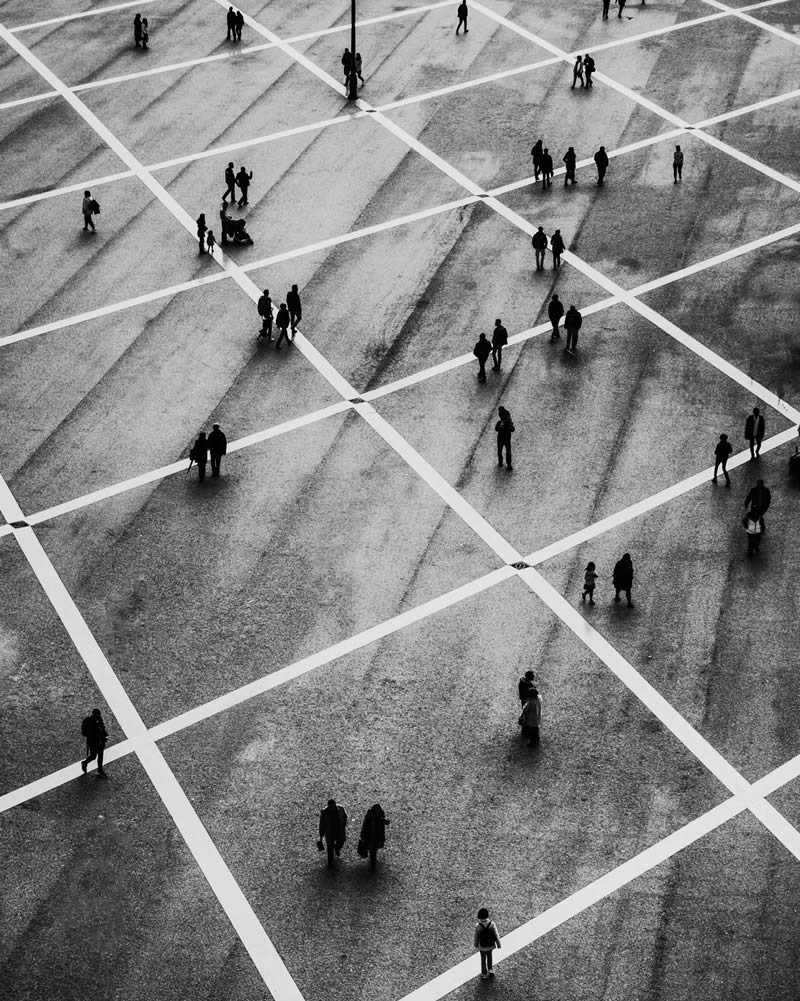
<point>539,243</point>
<point>582,70</point>
<point>235,19</point>
<point>141,32</point>
<point>215,445</point>
<point>333,832</point>
<point>352,65</point>
<point>483,349</point>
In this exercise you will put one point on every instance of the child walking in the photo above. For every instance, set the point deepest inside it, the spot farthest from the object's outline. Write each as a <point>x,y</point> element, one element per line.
<point>210,242</point>
<point>589,581</point>
<point>487,938</point>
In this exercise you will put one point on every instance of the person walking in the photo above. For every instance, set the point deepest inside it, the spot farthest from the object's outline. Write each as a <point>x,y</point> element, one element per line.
<point>759,497</point>
<point>589,581</point>
<point>294,307</point>
<point>137,30</point>
<point>145,33</point>
<point>577,72</point>
<point>557,247</point>
<point>357,65</point>
<point>555,310</point>
<point>485,940</point>
<point>94,730</point>
<point>621,7</point>
<point>373,834</point>
<point>525,685</point>
<point>588,69</point>
<point>231,36</point>
<point>623,578</point>
<point>504,428</point>
<point>347,64</point>
<point>201,231</point>
<point>601,162</point>
<point>463,12</point>
<point>230,180</point>
<point>531,717</point>
<point>754,432</point>
<point>606,5</point>
<point>677,165</point>
<point>547,168</point>
<point>282,321</point>
<point>572,324</point>
<point>332,829</point>
<point>265,312</point>
<point>482,350</point>
<point>570,161</point>
<point>721,454</point>
<point>89,207</point>
<point>754,527</point>
<point>210,242</point>
<point>217,447</point>
<point>199,455</point>
<point>539,243</point>
<point>536,156</point>
<point>499,341</point>
<point>243,179</point>
<point>239,25</point>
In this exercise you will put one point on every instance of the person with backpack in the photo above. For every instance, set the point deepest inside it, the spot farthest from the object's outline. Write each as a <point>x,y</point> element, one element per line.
<point>486,940</point>
<point>199,455</point>
<point>265,312</point>
<point>373,834</point>
<point>282,321</point>
<point>482,350</point>
<point>332,830</point>
<point>94,730</point>
<point>89,208</point>
<point>499,341</point>
<point>504,429</point>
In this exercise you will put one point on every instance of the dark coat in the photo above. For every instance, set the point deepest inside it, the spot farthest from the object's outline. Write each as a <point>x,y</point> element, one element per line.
<point>93,729</point>
<point>217,443</point>
<point>623,574</point>
<point>265,306</point>
<point>754,427</point>
<point>601,158</point>
<point>539,240</point>
<point>557,244</point>
<point>573,319</point>
<point>759,498</point>
<point>282,320</point>
<point>482,350</point>
<point>547,163</point>
<point>199,452</point>
<point>333,824</point>
<point>293,301</point>
<point>555,310</point>
<point>373,829</point>
<point>499,337</point>
<point>243,179</point>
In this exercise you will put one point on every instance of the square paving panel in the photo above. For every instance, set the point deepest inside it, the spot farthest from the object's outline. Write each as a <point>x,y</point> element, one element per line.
<point>45,145</point>
<point>173,114</point>
<point>728,667</point>
<point>594,433</point>
<point>768,134</point>
<point>18,80</point>
<point>101,864</point>
<point>17,13</point>
<point>305,540</point>
<point>784,16</point>
<point>425,723</point>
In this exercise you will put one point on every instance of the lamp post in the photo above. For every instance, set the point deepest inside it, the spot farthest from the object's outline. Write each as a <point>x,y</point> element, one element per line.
<point>352,93</point>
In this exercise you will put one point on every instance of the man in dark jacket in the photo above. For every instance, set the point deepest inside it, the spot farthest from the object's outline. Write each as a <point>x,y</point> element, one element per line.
<point>373,832</point>
<point>94,730</point>
<point>265,312</point>
<point>759,497</point>
<point>721,454</point>
<point>588,69</point>
<point>243,179</point>
<point>294,307</point>
<point>572,324</point>
<point>231,36</point>
<point>539,243</point>
<point>499,341</point>
<point>555,311</point>
<point>217,447</point>
<point>230,180</point>
<point>333,829</point>
<point>547,168</point>
<point>754,432</point>
<point>623,578</point>
<point>570,160</point>
<point>482,350</point>
<point>601,161</point>
<point>463,13</point>
<point>557,246</point>
<point>199,454</point>
<point>504,428</point>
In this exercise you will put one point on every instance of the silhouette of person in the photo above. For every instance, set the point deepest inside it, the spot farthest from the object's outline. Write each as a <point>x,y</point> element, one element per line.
<point>145,33</point>
<point>243,179</point>
<point>754,432</point>
<point>485,940</point>
<point>504,428</point>
<point>570,161</point>
<point>754,526</point>
<point>199,454</point>
<point>499,341</point>
<point>239,25</point>
<point>482,350</point>
<point>621,7</point>
<point>601,162</point>
<point>759,497</point>
<point>88,209</point>
<point>577,71</point>
<point>531,717</point>
<point>539,243</point>
<point>137,30</point>
<point>557,246</point>
<point>94,730</point>
<point>622,578</point>
<point>332,829</point>
<point>555,310</point>
<point>373,832</point>
<point>462,17</point>
<point>231,36</point>
<point>572,324</point>
<point>524,686</point>
<point>721,454</point>
<point>201,231</point>
<point>230,180</point>
<point>347,64</point>
<point>282,321</point>
<point>547,168</point>
<point>217,447</point>
<point>265,312</point>
<point>536,156</point>
<point>677,165</point>
<point>588,69</point>
<point>210,242</point>
<point>358,64</point>
<point>606,5</point>
<point>294,307</point>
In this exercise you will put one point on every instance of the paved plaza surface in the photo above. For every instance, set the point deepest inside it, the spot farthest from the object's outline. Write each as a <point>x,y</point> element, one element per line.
<point>347,609</point>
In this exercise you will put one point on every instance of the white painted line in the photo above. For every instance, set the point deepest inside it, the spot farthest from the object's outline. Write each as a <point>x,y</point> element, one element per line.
<point>85,13</point>
<point>790,95</point>
<point>18,102</point>
<point>749,161</point>
<point>67,189</point>
<point>740,13</point>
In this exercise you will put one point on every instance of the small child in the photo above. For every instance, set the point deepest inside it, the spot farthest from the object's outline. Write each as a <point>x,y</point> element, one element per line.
<point>210,242</point>
<point>486,939</point>
<point>589,581</point>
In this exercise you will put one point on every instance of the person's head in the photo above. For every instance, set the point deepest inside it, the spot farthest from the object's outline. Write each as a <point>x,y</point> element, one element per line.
<point>497,321</point>
<point>202,434</point>
<point>723,437</point>
<point>294,288</point>
<point>87,194</point>
<point>557,233</point>
<point>283,305</point>
<point>216,427</point>
<point>529,676</point>
<point>144,21</point>
<point>555,297</point>
<point>482,337</point>
<point>211,233</point>
<point>534,693</point>
<point>756,411</point>
<point>266,291</point>
<point>358,55</point>
<point>678,148</point>
<point>759,483</point>
<point>590,566</point>
<point>626,557</point>
<point>572,307</point>
<point>231,164</point>
<point>96,713</point>
<point>483,914</point>
<point>541,229</point>
<point>138,17</point>
<point>502,412</point>
<point>331,802</point>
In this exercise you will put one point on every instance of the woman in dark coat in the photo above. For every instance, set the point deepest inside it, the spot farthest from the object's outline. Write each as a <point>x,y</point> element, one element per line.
<point>201,231</point>
<point>199,454</point>
<point>137,30</point>
<point>373,832</point>
<point>623,578</point>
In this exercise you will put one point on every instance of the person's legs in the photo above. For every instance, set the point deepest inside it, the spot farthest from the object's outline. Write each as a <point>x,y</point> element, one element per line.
<point>201,470</point>
<point>215,464</point>
<point>725,471</point>
<point>758,447</point>
<point>100,751</point>
<point>329,846</point>
<point>499,452</point>
<point>482,370</point>
<point>508,454</point>
<point>484,964</point>
<point>92,754</point>
<point>616,595</point>
<point>716,467</point>
<point>628,597</point>
<point>373,858</point>
<point>281,336</point>
<point>534,741</point>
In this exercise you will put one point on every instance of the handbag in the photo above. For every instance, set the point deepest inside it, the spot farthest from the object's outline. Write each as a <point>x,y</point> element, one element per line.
<point>95,206</point>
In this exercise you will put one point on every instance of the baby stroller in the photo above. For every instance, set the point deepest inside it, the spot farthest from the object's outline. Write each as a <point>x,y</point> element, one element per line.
<point>233,230</point>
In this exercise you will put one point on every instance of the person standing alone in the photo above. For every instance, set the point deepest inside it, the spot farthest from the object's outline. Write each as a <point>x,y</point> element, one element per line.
<point>217,447</point>
<point>572,324</point>
<point>462,17</point>
<point>94,730</point>
<point>485,940</point>
<point>754,432</point>
<point>721,454</point>
<point>677,165</point>
<point>499,341</point>
<point>504,429</point>
<point>332,829</point>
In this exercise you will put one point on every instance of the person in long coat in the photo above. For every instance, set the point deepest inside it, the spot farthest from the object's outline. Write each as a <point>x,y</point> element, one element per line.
<point>199,454</point>
<point>333,829</point>
<point>137,30</point>
<point>373,832</point>
<point>623,578</point>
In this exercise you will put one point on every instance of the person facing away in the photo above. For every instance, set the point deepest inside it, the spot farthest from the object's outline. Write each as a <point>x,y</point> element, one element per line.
<point>601,162</point>
<point>265,312</point>
<point>347,64</point>
<point>499,341</point>
<point>239,25</point>
<point>754,526</point>
<point>243,179</point>
<point>373,832</point>
<point>333,829</point>
<point>588,69</point>
<point>536,156</point>
<point>145,33</point>
<point>555,310</point>
<point>294,307</point>
<point>547,168</point>
<point>621,7</point>
<point>570,162</point>
<point>137,30</point>
<point>606,5</point>
<point>577,71</point>
<point>539,244</point>
<point>524,686</point>
<point>282,321</point>
<point>357,64</point>
<point>721,454</point>
<point>88,209</point>
<point>531,717</point>
<point>557,246</point>
<point>94,730</point>
<point>485,940</point>
<point>482,350</point>
<point>572,324</point>
<point>759,497</point>
<point>504,428</point>
<point>677,164</point>
<point>201,231</point>
<point>217,447</point>
<point>199,455</point>
<point>230,180</point>
<point>589,581</point>
<point>210,241</point>
<point>622,578</point>
<point>754,432</point>
<point>231,36</point>
<point>462,17</point>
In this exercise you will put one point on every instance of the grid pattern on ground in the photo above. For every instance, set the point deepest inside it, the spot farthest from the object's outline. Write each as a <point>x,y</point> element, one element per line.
<point>143,742</point>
